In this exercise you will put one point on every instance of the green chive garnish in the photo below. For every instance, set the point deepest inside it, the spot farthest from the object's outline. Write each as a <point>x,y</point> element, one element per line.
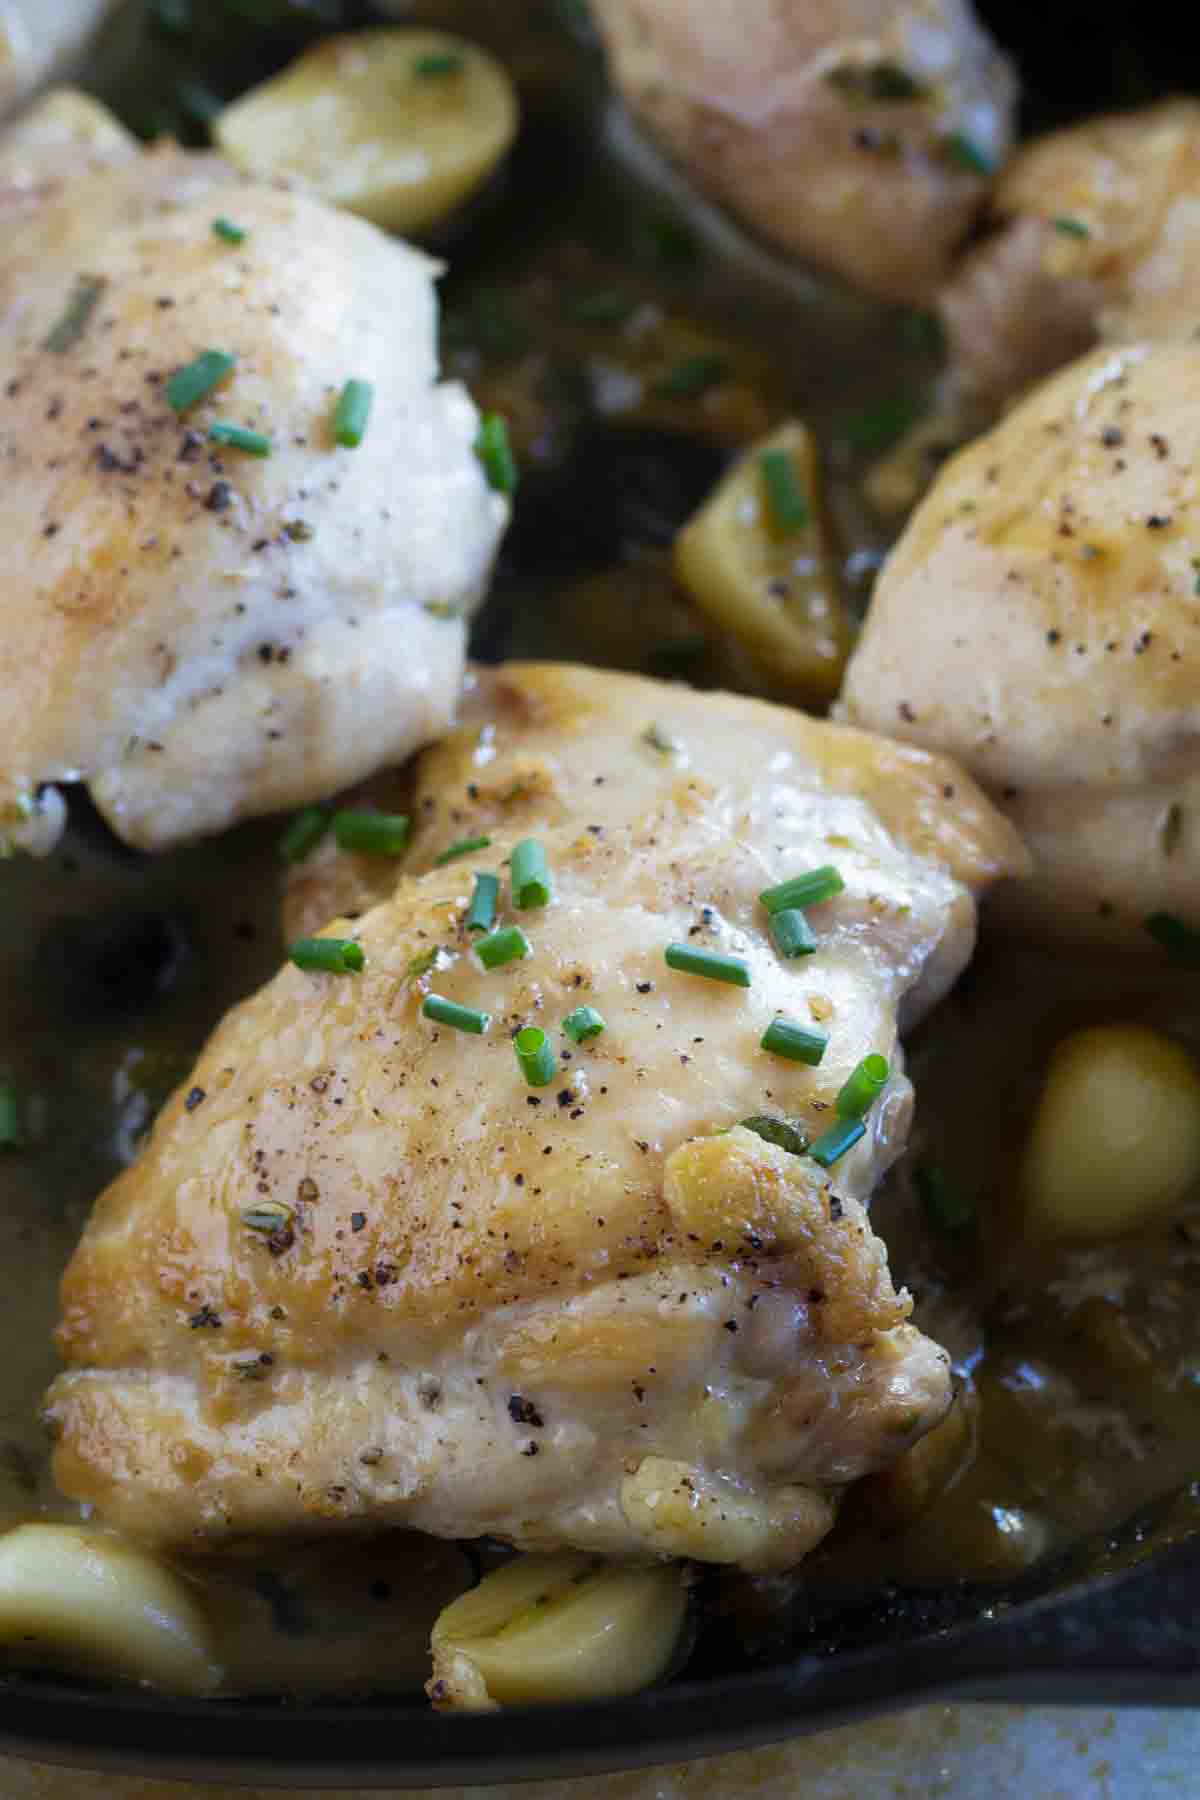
<point>530,876</point>
<point>1072,227</point>
<point>693,375</point>
<point>304,833</point>
<point>788,505</point>
<point>237,437</point>
<point>793,934</point>
<point>944,1207</point>
<point>70,326</point>
<point>605,308</point>
<point>463,847</point>
<point>352,412</point>
<point>198,379</point>
<point>585,1022</point>
<point>495,453</point>
<point>503,946</point>
<point>787,1037</point>
<point>803,890</point>
<point>11,1135</point>
<point>228,231</point>
<point>481,914</point>
<point>538,1061</point>
<point>862,1087</point>
<point>710,963</point>
<point>968,154</point>
<point>777,1131</point>
<point>330,956</point>
<point>881,425</point>
<point>1179,940</point>
<point>438,62</point>
<point>836,1141</point>
<point>371,833</point>
<point>460,1018</point>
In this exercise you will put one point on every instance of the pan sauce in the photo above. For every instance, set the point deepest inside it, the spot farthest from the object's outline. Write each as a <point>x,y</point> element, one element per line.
<point>1080,1369</point>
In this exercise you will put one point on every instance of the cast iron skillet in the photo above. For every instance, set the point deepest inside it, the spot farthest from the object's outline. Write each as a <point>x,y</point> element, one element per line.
<point>1116,1621</point>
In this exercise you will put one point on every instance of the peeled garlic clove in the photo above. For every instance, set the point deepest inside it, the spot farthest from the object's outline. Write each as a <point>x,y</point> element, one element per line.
<point>546,1629</point>
<point>85,1603</point>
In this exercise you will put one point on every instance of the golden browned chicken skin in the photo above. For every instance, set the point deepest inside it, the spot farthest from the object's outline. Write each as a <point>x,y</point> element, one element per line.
<point>600,1313</point>
<point>856,133</point>
<point>1097,234</point>
<point>199,633</point>
<point>1039,620</point>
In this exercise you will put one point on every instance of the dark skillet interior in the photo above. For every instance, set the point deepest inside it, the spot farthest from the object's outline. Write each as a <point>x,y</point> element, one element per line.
<point>1114,1619</point>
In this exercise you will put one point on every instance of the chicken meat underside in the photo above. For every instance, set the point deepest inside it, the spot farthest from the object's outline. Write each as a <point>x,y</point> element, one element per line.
<point>601,1313</point>
<point>1039,620</point>
<point>842,131</point>
<point>199,633</point>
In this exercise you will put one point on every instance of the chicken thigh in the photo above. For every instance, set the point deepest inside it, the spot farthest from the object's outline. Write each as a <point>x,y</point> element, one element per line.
<point>1098,235</point>
<point>857,133</point>
<point>364,1275</point>
<point>199,632</point>
<point>1039,619</point>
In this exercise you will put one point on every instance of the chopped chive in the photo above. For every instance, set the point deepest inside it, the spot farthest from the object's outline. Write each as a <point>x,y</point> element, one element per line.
<point>881,425</point>
<point>481,914</point>
<point>787,1037</point>
<point>809,889</point>
<point>712,964</point>
<point>463,847</point>
<point>778,1131</point>
<point>197,379</point>
<point>267,1216</point>
<point>789,507</point>
<point>876,81</point>
<point>352,412</point>
<point>11,1135</point>
<point>1072,227</point>
<point>422,963</point>
<point>439,62</point>
<point>693,375</point>
<point>538,1061</point>
<point>607,307</point>
<point>968,154</point>
<point>793,934</point>
<point>503,946</point>
<point>835,1142</point>
<point>237,437</point>
<point>862,1087</point>
<point>944,1206</point>
<point>585,1022</point>
<point>304,833</point>
<point>1179,940</point>
<point>228,231</point>
<point>530,875</point>
<point>460,1018</point>
<point>495,453</point>
<point>371,833</point>
<point>331,956</point>
<point>70,327</point>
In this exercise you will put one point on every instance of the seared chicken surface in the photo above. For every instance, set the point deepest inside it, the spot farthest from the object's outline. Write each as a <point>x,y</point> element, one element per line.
<point>199,633</point>
<point>600,1313</point>
<point>1039,620</point>
<point>1098,236</point>
<point>856,133</point>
